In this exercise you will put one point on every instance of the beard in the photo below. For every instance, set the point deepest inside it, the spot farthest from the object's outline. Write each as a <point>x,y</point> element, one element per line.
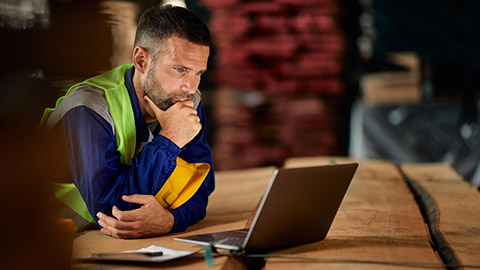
<point>160,97</point>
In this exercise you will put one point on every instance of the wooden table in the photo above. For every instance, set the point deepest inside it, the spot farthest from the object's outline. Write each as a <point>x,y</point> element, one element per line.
<point>378,226</point>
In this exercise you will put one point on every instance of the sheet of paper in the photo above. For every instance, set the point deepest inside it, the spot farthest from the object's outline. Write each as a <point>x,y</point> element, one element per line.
<point>168,254</point>
<point>134,256</point>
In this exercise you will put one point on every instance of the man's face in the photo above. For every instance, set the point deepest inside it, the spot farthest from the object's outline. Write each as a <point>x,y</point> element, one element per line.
<point>175,73</point>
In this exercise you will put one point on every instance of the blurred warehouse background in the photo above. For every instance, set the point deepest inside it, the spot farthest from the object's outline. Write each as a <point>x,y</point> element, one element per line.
<point>383,79</point>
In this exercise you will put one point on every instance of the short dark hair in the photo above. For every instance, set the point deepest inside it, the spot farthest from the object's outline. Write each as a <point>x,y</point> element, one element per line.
<point>159,23</point>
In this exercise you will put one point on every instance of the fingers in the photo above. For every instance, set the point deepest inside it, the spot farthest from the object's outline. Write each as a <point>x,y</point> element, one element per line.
<point>158,112</point>
<point>187,103</point>
<point>118,233</point>
<point>186,106</point>
<point>180,123</point>
<point>181,109</point>
<point>138,198</point>
<point>126,219</point>
<point>150,102</point>
<point>118,228</point>
<point>111,222</point>
<point>148,99</point>
<point>125,216</point>
<point>131,216</point>
<point>149,220</point>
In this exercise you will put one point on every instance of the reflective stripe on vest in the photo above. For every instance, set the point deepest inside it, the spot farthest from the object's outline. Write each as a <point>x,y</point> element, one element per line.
<point>179,187</point>
<point>113,83</point>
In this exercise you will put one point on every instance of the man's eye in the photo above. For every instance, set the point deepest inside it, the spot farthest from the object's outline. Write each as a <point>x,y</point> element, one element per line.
<point>180,69</point>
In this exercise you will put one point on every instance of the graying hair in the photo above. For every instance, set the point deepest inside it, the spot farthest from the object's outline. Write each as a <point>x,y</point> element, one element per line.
<point>159,23</point>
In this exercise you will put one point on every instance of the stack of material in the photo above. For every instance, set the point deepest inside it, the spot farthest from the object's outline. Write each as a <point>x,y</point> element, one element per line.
<point>394,87</point>
<point>278,67</point>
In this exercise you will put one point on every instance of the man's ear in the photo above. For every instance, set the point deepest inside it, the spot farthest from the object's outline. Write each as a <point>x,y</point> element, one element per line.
<point>140,59</point>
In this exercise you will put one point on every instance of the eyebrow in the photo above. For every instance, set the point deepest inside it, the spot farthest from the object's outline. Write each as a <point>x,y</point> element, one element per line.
<point>202,71</point>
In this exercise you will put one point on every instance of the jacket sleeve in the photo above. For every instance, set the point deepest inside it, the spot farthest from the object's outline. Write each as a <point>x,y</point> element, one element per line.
<point>95,164</point>
<point>197,151</point>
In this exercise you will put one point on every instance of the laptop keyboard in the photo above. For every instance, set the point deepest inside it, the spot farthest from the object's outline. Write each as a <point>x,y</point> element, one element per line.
<point>236,241</point>
<point>232,238</point>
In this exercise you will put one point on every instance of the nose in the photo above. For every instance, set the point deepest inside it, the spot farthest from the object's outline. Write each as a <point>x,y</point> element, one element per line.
<point>191,83</point>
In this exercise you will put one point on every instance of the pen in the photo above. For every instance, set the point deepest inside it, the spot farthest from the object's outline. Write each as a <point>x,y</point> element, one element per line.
<point>148,254</point>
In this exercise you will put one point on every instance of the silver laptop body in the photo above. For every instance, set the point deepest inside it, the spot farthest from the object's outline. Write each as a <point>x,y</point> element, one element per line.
<point>298,207</point>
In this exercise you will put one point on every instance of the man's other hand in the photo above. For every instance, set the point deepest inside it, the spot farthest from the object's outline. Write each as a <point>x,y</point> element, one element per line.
<point>149,220</point>
<point>180,123</point>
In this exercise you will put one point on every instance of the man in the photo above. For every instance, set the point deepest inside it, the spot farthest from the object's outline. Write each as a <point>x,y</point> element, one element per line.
<point>135,135</point>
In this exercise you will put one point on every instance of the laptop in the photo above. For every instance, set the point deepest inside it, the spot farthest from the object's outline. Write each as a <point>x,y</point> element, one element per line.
<point>298,207</point>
